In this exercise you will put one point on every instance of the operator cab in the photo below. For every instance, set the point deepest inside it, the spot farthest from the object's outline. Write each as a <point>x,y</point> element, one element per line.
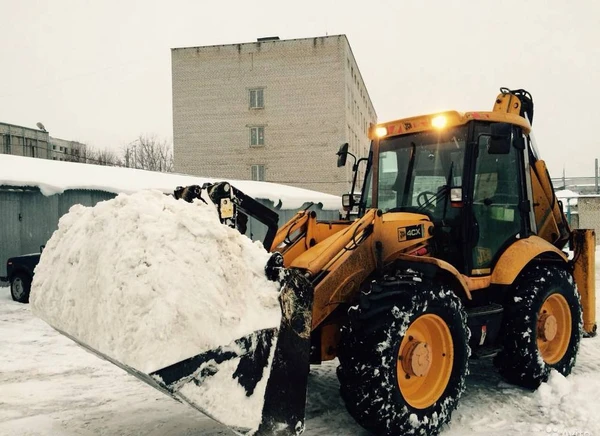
<point>416,174</point>
<point>465,174</point>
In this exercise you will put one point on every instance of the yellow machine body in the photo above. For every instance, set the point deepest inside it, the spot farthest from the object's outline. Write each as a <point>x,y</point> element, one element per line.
<point>341,256</point>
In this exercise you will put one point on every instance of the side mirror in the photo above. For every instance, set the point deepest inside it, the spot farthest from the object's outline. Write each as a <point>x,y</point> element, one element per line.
<point>342,155</point>
<point>500,138</point>
<point>347,201</point>
<point>456,199</point>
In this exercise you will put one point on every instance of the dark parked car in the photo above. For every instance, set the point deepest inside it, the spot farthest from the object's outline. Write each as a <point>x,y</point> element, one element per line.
<point>19,271</point>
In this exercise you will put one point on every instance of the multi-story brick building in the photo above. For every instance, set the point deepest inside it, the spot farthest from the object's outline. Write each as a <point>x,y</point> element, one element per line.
<point>273,110</point>
<point>25,141</point>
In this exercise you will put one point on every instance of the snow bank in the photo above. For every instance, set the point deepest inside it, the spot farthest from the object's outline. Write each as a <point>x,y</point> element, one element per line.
<point>149,280</point>
<point>54,177</point>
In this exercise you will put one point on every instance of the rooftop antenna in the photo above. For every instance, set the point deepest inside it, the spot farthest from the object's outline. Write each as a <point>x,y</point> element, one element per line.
<point>41,127</point>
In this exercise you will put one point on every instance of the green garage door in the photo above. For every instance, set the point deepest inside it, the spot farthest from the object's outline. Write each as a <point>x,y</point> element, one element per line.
<point>10,232</point>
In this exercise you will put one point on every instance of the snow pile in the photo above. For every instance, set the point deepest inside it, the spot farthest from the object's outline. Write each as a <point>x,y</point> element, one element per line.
<point>560,400</point>
<point>149,280</point>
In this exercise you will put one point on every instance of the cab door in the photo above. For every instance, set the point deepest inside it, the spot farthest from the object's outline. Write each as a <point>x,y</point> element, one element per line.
<point>497,192</point>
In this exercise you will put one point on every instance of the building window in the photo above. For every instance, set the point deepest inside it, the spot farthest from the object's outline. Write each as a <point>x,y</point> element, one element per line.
<point>257,98</point>
<point>258,173</point>
<point>257,136</point>
<point>350,97</point>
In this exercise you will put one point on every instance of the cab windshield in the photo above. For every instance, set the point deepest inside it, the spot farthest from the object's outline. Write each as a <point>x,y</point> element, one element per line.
<point>417,171</point>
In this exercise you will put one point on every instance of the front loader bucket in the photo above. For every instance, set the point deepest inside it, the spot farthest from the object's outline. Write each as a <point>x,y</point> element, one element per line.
<point>257,384</point>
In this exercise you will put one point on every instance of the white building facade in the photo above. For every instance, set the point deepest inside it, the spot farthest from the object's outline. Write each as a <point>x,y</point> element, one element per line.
<point>273,110</point>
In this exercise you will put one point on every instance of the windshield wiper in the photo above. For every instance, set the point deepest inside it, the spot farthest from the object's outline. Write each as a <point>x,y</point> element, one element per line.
<point>409,170</point>
<point>448,181</point>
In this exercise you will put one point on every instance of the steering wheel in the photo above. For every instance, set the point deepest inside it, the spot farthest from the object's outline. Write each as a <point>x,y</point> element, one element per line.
<point>425,197</point>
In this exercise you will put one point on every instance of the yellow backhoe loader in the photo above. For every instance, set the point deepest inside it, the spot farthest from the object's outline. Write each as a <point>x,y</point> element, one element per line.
<point>456,253</point>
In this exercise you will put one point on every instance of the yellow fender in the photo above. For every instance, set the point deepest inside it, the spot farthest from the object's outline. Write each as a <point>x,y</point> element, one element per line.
<point>461,282</point>
<point>518,255</point>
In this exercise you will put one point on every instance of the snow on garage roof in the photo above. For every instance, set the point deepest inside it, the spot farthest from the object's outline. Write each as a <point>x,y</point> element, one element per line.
<point>54,177</point>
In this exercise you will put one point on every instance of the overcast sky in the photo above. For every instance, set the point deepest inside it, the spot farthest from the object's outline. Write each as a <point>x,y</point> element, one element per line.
<point>100,71</point>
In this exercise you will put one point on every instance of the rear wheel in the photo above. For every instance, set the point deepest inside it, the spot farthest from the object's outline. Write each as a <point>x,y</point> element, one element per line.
<point>20,286</point>
<point>403,357</point>
<point>542,327</point>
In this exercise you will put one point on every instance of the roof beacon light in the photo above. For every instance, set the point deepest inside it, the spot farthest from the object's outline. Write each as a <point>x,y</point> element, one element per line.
<point>381,131</point>
<point>439,122</point>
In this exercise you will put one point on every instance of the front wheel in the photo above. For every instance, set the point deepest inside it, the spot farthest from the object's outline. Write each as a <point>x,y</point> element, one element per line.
<point>403,357</point>
<point>542,327</point>
<point>20,286</point>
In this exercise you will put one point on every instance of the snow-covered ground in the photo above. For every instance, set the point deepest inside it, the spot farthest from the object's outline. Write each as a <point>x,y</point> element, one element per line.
<point>50,386</point>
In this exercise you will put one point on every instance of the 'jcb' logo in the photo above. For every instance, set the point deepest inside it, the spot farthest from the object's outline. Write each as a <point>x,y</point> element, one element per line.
<point>410,232</point>
<point>401,235</point>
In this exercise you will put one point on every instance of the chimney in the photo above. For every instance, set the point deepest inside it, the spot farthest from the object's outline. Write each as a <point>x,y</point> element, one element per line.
<point>267,38</point>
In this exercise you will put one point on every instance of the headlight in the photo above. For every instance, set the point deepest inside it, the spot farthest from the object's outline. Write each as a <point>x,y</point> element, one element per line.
<point>439,122</point>
<point>381,131</point>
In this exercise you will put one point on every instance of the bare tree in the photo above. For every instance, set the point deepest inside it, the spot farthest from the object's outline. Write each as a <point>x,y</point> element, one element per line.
<point>86,154</point>
<point>106,157</point>
<point>149,153</point>
<point>94,156</point>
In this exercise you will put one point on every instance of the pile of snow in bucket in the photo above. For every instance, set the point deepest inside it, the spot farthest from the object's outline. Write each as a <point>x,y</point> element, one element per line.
<point>149,281</point>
